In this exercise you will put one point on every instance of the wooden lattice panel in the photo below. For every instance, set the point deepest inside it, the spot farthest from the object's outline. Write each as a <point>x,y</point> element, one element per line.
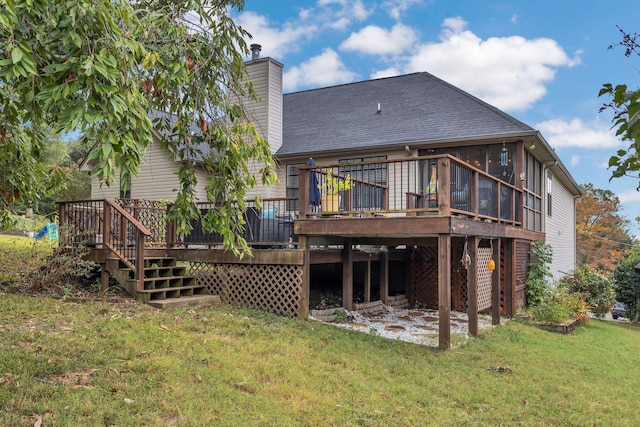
<point>152,214</point>
<point>273,288</point>
<point>424,277</point>
<point>484,279</point>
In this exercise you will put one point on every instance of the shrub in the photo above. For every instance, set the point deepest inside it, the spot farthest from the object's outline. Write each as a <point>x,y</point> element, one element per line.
<point>559,306</point>
<point>42,266</point>
<point>596,289</point>
<point>537,277</point>
<point>626,280</point>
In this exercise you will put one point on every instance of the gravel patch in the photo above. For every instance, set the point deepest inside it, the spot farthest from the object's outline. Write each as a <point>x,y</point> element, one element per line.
<point>417,326</point>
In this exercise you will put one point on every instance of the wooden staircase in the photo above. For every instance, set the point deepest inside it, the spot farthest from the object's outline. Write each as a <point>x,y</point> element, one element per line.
<point>122,249</point>
<point>165,284</point>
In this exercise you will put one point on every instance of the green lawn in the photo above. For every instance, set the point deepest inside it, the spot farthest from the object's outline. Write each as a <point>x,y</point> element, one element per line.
<point>127,364</point>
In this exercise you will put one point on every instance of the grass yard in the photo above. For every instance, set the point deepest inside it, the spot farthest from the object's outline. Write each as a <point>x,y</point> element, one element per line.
<point>100,364</point>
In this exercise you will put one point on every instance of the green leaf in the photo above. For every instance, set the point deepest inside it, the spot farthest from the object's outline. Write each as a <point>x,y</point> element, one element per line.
<point>16,54</point>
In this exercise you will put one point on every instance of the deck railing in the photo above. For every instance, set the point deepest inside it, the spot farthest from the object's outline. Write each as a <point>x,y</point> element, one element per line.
<point>267,225</point>
<point>104,223</point>
<point>430,185</point>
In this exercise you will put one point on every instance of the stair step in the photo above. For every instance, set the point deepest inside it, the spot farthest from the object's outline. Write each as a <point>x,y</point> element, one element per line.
<point>168,282</point>
<point>187,301</point>
<point>159,262</point>
<point>148,295</point>
<point>158,272</point>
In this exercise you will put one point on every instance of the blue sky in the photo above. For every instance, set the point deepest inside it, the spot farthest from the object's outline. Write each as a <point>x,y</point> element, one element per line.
<point>541,61</point>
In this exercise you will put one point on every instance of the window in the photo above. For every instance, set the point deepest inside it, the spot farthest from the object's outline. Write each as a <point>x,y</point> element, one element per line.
<point>125,192</point>
<point>532,203</point>
<point>549,188</point>
<point>487,158</point>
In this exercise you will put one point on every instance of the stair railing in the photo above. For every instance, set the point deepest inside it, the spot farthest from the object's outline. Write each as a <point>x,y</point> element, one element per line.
<point>125,237</point>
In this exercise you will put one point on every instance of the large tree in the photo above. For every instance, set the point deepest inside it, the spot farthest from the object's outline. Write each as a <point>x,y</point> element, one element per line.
<point>625,104</point>
<point>100,66</point>
<point>602,236</point>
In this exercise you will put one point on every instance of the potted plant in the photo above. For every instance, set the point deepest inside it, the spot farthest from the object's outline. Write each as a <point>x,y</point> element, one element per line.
<point>330,187</point>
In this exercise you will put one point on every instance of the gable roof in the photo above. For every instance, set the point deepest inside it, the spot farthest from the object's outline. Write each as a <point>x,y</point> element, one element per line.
<point>414,108</point>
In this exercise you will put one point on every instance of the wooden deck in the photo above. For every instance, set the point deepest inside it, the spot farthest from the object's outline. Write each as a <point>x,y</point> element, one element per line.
<point>375,222</point>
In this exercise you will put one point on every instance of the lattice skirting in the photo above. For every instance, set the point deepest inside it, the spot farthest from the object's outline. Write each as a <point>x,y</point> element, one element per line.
<point>273,288</point>
<point>424,277</point>
<point>484,279</point>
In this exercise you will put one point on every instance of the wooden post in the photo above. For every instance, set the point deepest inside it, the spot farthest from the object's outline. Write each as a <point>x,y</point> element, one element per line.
<point>472,286</point>
<point>367,282</point>
<point>444,192</point>
<point>347,200</point>
<point>63,230</point>
<point>170,236</point>
<point>347,275</point>
<point>139,261</point>
<point>303,192</point>
<point>303,243</point>
<point>495,285</point>
<point>384,275</point>
<point>444,291</point>
<point>106,224</point>
<point>385,198</point>
<point>474,192</point>
<point>104,278</point>
<point>510,284</point>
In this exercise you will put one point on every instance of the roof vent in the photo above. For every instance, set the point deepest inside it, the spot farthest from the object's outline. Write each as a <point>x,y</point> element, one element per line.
<point>255,51</point>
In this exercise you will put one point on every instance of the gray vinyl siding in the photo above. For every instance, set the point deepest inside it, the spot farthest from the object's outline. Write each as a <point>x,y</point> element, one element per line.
<point>560,228</point>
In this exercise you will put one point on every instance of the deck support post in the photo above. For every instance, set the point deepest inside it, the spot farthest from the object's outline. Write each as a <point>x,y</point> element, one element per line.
<point>347,275</point>
<point>140,238</point>
<point>444,291</point>
<point>303,243</point>
<point>495,285</point>
<point>384,275</point>
<point>104,278</point>
<point>472,286</point>
<point>367,282</point>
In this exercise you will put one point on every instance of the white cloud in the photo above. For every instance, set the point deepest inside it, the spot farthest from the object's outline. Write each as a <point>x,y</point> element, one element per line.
<point>508,72</point>
<point>629,196</point>
<point>276,42</point>
<point>574,161</point>
<point>322,70</point>
<point>396,8</point>
<point>374,40</point>
<point>279,39</point>
<point>339,14</point>
<point>577,134</point>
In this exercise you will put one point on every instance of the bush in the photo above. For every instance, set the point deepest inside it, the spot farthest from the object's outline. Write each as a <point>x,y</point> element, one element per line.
<point>537,277</point>
<point>41,266</point>
<point>559,306</point>
<point>626,280</point>
<point>596,289</point>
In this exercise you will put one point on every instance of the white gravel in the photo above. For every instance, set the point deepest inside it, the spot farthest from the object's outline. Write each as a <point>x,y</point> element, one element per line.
<point>417,326</point>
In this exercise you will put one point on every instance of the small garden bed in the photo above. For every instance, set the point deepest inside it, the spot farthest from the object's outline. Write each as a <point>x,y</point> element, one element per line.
<point>566,327</point>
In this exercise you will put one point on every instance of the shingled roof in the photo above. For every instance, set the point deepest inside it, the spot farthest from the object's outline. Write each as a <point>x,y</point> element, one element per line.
<point>413,108</point>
